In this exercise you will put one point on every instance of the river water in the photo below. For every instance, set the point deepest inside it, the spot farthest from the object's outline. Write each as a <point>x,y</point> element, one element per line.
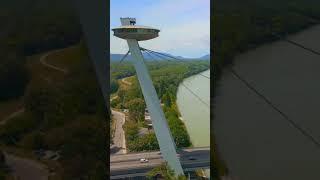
<point>256,141</point>
<point>196,114</point>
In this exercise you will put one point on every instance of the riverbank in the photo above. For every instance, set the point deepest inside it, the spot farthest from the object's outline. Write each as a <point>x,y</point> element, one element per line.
<point>166,77</point>
<point>219,67</point>
<point>195,114</point>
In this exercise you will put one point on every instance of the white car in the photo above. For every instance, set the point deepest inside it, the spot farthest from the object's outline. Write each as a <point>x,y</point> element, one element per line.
<point>144,160</point>
<point>178,155</point>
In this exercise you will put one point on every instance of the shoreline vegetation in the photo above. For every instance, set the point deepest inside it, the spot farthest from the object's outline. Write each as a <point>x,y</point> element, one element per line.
<point>166,77</point>
<point>243,26</point>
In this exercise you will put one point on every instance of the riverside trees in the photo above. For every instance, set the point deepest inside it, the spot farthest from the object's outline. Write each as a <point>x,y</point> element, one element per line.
<point>166,77</point>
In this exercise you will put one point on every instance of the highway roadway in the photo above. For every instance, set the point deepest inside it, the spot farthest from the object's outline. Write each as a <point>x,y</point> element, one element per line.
<point>129,165</point>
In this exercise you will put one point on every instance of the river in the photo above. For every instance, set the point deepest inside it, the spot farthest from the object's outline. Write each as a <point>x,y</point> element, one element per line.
<point>256,141</point>
<point>196,114</point>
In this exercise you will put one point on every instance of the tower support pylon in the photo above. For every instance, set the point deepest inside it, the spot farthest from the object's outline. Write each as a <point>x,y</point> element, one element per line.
<point>160,124</point>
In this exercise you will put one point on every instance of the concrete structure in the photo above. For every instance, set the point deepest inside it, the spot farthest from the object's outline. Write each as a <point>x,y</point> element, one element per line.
<point>132,33</point>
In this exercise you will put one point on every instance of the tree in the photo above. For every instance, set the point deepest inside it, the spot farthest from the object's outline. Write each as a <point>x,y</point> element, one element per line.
<point>131,129</point>
<point>113,86</point>
<point>166,99</point>
<point>136,109</point>
<point>121,95</point>
<point>165,172</point>
<point>46,104</point>
<point>83,154</point>
<point>147,142</point>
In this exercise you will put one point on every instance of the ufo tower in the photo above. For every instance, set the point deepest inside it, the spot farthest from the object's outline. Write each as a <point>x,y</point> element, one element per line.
<point>132,34</point>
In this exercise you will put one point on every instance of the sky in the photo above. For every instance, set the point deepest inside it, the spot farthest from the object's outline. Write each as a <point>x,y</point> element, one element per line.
<point>184,25</point>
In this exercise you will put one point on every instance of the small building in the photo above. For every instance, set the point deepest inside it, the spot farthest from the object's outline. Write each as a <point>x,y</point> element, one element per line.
<point>147,118</point>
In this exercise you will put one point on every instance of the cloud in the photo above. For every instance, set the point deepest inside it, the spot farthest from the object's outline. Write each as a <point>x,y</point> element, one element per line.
<point>184,27</point>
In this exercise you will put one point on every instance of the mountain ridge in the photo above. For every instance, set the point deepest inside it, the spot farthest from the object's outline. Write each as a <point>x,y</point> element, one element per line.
<point>148,57</point>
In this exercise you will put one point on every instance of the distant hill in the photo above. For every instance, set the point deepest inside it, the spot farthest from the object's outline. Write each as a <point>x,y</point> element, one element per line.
<point>205,57</point>
<point>148,57</point>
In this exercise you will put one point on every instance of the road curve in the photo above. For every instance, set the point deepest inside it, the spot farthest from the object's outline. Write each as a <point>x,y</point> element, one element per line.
<point>43,61</point>
<point>24,168</point>
<point>126,82</point>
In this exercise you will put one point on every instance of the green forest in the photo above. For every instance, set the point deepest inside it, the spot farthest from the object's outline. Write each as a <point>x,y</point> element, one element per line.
<point>63,113</point>
<point>243,25</point>
<point>33,27</point>
<point>166,77</point>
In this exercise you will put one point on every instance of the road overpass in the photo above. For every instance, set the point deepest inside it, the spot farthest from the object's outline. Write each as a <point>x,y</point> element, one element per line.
<point>129,165</point>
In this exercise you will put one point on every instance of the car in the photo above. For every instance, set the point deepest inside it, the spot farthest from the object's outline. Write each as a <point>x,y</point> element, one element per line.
<point>144,160</point>
<point>191,158</point>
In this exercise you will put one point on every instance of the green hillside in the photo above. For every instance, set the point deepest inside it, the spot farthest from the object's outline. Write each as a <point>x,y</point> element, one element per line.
<point>58,111</point>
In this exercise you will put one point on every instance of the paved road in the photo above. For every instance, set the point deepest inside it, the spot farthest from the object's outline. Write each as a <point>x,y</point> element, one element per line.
<point>119,142</point>
<point>26,169</point>
<point>129,164</point>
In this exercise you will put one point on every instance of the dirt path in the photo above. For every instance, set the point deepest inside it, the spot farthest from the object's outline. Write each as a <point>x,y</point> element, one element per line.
<point>119,142</point>
<point>16,113</point>
<point>126,82</point>
<point>44,62</point>
<point>24,168</point>
<point>113,98</point>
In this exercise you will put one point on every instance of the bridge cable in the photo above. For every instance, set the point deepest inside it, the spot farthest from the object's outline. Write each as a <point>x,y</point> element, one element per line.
<point>151,55</point>
<point>181,60</point>
<point>297,44</point>
<point>193,93</point>
<point>156,53</point>
<point>286,117</point>
<point>121,60</point>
